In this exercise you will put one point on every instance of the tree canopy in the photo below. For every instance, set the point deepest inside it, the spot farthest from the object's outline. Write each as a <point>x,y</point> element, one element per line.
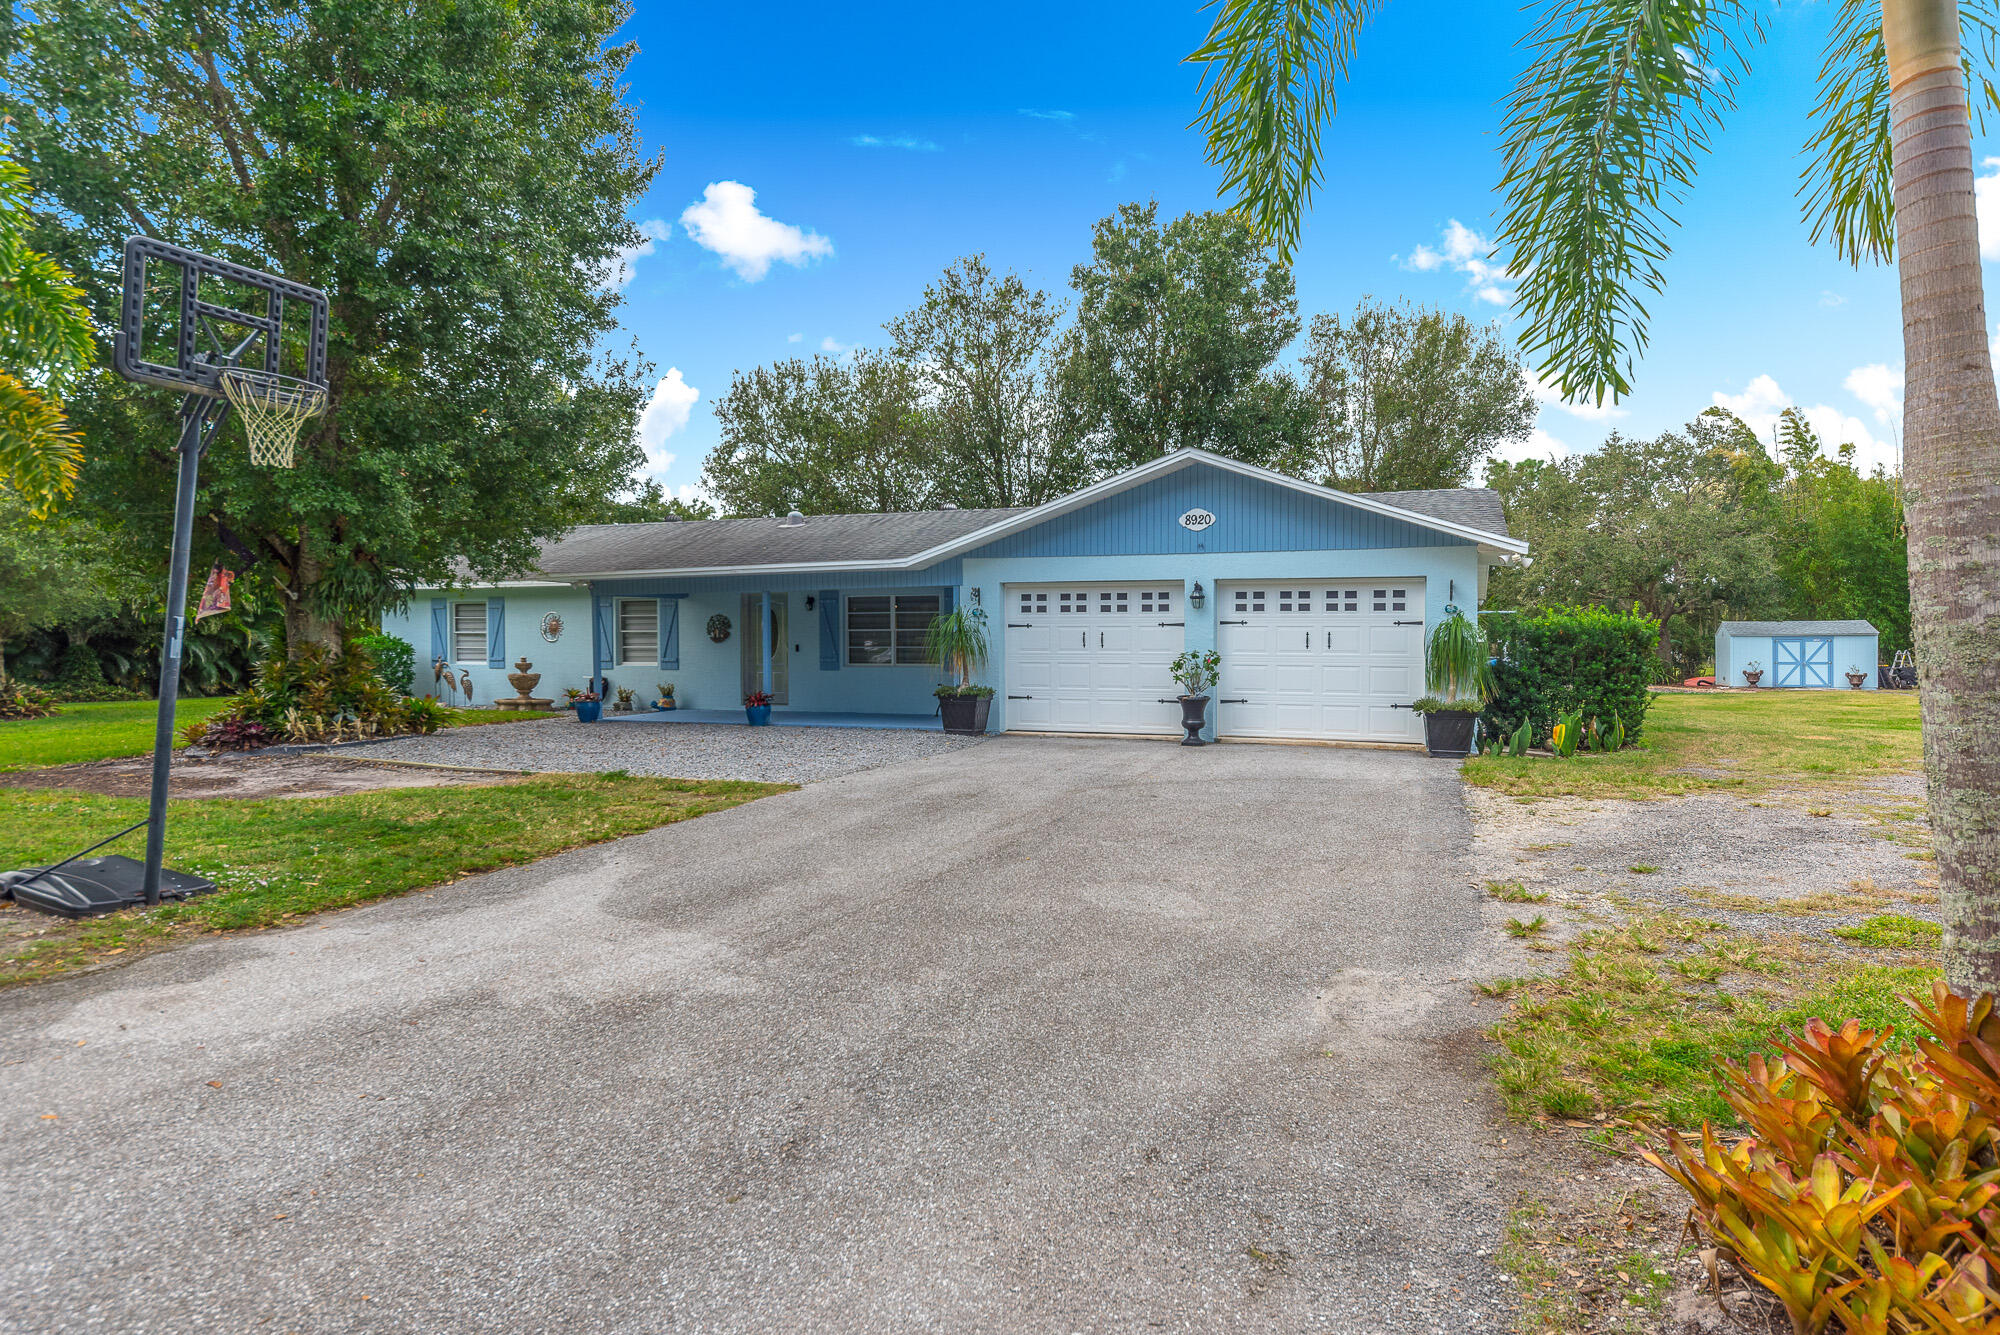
<point>457,178</point>
<point>1406,398</point>
<point>45,345</point>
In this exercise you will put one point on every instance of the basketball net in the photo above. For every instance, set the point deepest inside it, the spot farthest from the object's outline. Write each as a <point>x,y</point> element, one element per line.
<point>275,409</point>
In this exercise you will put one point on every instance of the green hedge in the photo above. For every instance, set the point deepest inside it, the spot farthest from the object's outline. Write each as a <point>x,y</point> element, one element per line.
<point>1585,660</point>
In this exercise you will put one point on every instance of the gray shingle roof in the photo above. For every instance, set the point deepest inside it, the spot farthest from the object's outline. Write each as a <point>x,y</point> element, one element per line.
<point>595,549</point>
<point>1473,507</point>
<point>1796,628</point>
<point>700,543</point>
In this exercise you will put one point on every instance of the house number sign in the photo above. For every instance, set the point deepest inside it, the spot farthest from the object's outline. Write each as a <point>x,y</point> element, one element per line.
<point>1196,520</point>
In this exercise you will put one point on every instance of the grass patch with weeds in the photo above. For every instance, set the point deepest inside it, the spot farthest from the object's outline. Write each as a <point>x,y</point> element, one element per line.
<point>1513,892</point>
<point>1893,931</point>
<point>278,858</point>
<point>93,732</point>
<point>1642,869</point>
<point>1639,1018</point>
<point>1744,741</point>
<point>1578,1277</point>
<point>1532,927</point>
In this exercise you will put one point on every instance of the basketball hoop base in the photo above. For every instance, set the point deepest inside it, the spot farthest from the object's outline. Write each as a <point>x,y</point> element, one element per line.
<point>90,886</point>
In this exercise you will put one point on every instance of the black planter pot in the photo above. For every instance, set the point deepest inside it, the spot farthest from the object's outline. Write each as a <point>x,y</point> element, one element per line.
<point>1194,713</point>
<point>1448,733</point>
<point>965,713</point>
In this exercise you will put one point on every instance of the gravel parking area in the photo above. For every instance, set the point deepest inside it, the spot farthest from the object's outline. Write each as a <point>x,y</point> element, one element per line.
<point>673,751</point>
<point>1773,862</point>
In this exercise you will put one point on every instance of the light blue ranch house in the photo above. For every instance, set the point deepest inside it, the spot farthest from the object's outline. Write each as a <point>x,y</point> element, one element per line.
<point>1318,600</point>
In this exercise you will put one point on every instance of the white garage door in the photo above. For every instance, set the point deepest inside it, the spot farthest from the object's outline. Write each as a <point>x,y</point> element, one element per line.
<point>1321,659</point>
<point>1093,657</point>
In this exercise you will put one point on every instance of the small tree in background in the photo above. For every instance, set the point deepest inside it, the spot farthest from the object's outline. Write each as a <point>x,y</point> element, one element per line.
<point>1407,398</point>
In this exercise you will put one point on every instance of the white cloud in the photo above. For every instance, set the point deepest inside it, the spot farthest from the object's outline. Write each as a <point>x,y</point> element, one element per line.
<point>832,344</point>
<point>727,222</point>
<point>618,269</point>
<point>1881,388</point>
<point>793,338</point>
<point>908,142</point>
<point>1467,252</point>
<point>672,403</point>
<point>1762,401</point>
<point>1589,410</point>
<point>1986,203</point>
<point>1539,445</point>
<point>1048,115</point>
<point>1830,299</point>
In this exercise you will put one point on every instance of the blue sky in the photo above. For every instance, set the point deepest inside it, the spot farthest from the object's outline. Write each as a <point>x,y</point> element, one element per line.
<point>820,166</point>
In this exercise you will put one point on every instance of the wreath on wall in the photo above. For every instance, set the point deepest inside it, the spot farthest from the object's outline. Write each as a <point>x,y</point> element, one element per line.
<point>718,628</point>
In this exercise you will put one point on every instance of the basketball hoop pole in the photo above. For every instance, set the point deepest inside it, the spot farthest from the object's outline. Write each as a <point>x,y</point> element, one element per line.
<point>199,416</point>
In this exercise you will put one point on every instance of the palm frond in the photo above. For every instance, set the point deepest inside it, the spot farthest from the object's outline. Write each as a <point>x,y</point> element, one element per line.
<point>40,455</point>
<point>1271,68</point>
<point>1848,187</point>
<point>1602,134</point>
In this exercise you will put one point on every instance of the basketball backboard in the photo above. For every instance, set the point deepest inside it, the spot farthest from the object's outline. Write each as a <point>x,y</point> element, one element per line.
<point>186,317</point>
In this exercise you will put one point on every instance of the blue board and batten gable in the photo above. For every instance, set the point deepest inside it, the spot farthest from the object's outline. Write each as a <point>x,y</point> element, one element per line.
<point>1251,515</point>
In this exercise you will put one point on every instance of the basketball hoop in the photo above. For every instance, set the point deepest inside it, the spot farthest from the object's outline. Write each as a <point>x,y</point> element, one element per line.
<point>275,408</point>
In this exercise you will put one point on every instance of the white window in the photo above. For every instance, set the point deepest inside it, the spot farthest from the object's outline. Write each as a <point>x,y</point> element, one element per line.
<point>638,631</point>
<point>889,628</point>
<point>468,633</point>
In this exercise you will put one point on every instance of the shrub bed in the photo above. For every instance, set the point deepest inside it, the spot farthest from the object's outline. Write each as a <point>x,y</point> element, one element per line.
<point>1584,661</point>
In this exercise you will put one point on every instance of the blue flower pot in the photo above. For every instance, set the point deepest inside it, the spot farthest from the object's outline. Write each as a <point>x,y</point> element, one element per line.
<point>760,715</point>
<point>589,711</point>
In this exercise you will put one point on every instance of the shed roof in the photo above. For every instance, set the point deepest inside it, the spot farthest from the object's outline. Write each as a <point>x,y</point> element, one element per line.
<point>1796,628</point>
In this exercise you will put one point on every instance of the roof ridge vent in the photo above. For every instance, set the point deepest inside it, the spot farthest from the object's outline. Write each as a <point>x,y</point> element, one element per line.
<point>792,520</point>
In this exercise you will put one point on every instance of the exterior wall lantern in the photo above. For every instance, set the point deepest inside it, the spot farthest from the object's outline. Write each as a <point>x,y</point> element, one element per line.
<point>1196,597</point>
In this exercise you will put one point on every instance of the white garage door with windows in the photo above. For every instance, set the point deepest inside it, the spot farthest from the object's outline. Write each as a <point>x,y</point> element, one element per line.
<point>1321,659</point>
<point>1093,657</point>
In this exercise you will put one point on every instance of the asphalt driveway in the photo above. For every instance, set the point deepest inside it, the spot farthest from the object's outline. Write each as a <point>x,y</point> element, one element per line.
<point>1045,1035</point>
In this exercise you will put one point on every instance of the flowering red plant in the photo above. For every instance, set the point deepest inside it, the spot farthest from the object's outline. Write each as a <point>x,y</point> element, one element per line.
<point>757,698</point>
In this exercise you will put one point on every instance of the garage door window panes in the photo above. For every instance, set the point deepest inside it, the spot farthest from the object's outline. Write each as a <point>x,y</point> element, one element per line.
<point>468,633</point>
<point>1391,600</point>
<point>1031,603</point>
<point>1156,601</point>
<point>638,631</point>
<point>1343,600</point>
<point>884,629</point>
<point>1250,600</point>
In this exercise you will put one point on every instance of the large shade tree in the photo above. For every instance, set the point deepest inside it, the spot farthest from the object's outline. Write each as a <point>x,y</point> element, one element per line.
<point>457,177</point>
<point>1613,110</point>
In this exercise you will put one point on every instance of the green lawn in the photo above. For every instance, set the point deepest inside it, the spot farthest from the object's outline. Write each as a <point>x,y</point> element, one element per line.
<point>1738,740</point>
<point>91,732</point>
<point>277,858</point>
<point>125,728</point>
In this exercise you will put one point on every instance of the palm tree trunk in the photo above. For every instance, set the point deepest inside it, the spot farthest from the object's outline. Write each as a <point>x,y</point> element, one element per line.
<point>1951,432</point>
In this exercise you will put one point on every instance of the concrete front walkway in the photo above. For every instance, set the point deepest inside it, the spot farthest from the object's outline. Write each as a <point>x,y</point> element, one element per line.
<point>1040,1036</point>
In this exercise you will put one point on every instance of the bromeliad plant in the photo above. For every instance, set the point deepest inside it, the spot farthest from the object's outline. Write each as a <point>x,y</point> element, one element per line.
<point>956,641</point>
<point>1864,1196</point>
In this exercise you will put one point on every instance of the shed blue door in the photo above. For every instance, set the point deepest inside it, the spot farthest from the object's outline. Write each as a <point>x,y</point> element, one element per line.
<point>1802,662</point>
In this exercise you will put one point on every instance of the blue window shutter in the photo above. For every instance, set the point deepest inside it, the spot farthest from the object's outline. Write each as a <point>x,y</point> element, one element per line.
<point>496,632</point>
<point>829,629</point>
<point>947,600</point>
<point>670,634</point>
<point>440,630</point>
<point>606,614</point>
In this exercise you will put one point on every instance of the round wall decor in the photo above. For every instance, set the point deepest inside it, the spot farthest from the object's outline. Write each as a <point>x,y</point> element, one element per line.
<point>718,628</point>
<point>552,628</point>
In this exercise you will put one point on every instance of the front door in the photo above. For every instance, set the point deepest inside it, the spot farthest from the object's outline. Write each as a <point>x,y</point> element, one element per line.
<point>753,646</point>
<point>1802,662</point>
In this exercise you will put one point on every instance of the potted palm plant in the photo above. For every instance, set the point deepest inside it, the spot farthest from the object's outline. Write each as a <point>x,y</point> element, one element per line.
<point>1196,673</point>
<point>1458,676</point>
<point>956,641</point>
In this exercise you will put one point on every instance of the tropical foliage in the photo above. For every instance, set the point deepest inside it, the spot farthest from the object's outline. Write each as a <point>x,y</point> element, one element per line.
<point>1586,665</point>
<point>957,641</point>
<point>45,345</point>
<point>1863,1196</point>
